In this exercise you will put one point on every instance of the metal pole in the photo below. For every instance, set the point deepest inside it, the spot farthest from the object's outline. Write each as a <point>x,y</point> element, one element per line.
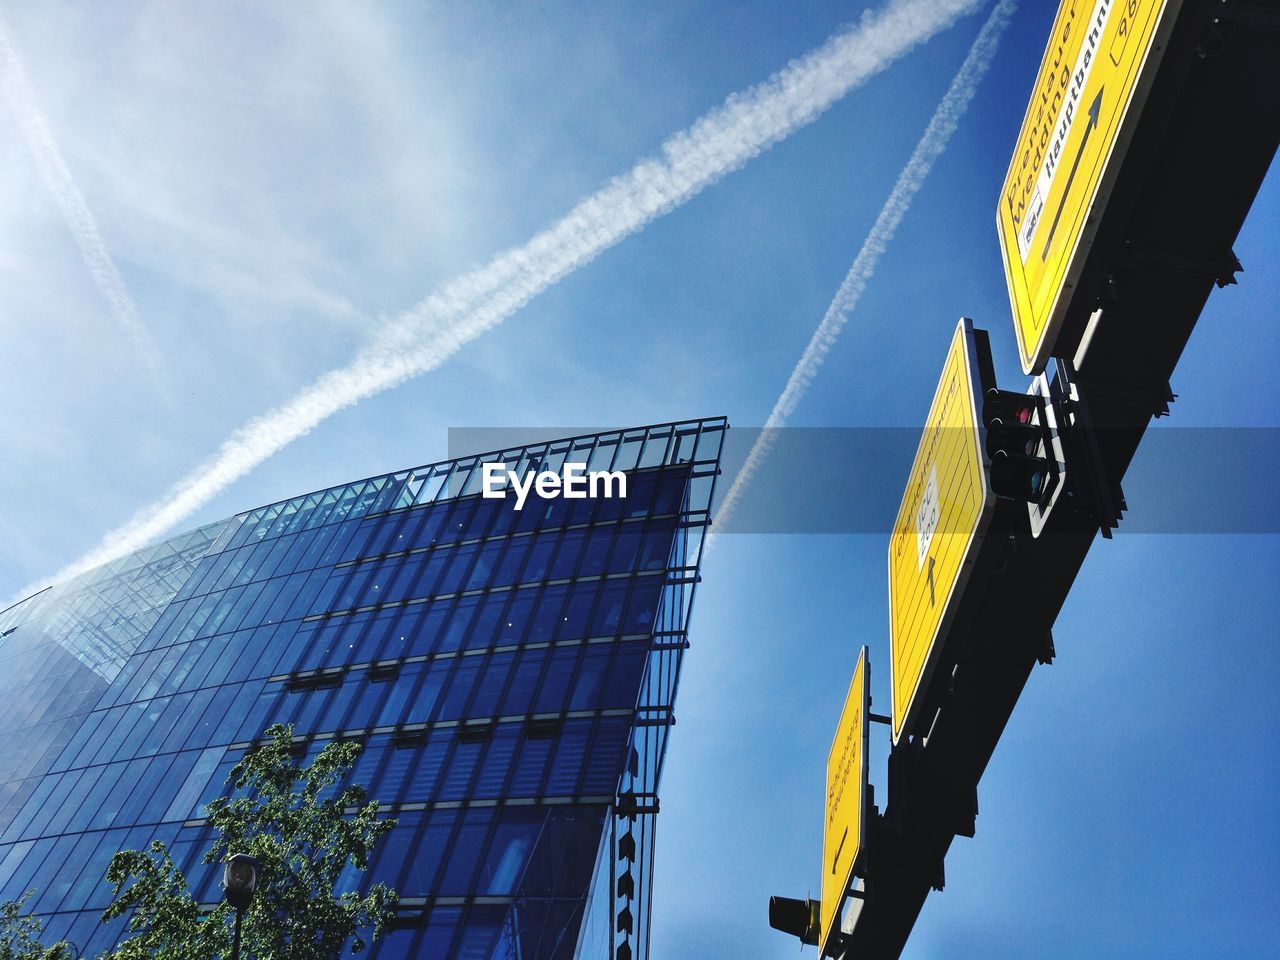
<point>235,941</point>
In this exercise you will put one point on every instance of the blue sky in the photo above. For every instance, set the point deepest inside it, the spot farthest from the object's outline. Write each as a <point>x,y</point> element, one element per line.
<point>272,187</point>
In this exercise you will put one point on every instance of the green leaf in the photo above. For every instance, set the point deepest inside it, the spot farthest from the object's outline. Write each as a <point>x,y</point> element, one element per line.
<point>292,819</point>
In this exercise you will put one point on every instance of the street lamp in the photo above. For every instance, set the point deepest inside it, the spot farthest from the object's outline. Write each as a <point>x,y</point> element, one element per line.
<point>239,881</point>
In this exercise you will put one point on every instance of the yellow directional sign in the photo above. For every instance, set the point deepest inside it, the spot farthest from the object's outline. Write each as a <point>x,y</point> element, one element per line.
<point>945,512</point>
<point>844,832</point>
<point>1092,84</point>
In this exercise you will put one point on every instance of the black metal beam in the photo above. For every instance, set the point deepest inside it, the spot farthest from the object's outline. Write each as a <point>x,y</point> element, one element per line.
<point>1204,145</point>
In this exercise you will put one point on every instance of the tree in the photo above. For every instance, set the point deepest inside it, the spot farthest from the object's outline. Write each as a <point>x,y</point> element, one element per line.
<point>20,934</point>
<point>302,829</point>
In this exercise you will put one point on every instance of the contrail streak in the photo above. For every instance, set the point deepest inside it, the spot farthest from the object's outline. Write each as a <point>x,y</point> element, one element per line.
<point>424,337</point>
<point>932,143</point>
<point>80,221</point>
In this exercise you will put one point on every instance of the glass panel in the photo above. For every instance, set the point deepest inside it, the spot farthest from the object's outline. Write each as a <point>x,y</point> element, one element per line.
<point>571,750</point>
<point>576,615</point>
<point>554,689</point>
<point>589,683</point>
<point>496,765</point>
<point>540,554</point>
<point>626,549</point>
<point>604,767</point>
<point>508,568</point>
<point>593,559</point>
<point>467,852</point>
<point>193,787</point>
<point>530,767</point>
<point>458,690</point>
<point>624,680</point>
<point>490,624</point>
<point>457,623</point>
<point>427,767</point>
<point>569,554</point>
<point>492,684</point>
<point>433,684</point>
<point>462,765</point>
<point>509,851</point>
<point>608,612</point>
<point>420,878</point>
<point>519,698</point>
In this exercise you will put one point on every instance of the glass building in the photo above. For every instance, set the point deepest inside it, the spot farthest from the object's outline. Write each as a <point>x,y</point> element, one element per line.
<point>510,674</point>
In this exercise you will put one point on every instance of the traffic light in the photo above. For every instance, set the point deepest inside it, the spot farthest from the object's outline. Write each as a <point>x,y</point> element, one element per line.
<point>800,918</point>
<point>1016,441</point>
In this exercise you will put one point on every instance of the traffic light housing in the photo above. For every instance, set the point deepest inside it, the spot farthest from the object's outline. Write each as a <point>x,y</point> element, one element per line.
<point>1017,439</point>
<point>800,918</point>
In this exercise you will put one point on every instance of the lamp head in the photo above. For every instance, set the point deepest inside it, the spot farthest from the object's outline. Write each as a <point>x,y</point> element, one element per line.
<point>240,880</point>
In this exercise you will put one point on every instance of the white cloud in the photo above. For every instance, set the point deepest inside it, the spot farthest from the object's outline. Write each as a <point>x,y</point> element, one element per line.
<point>75,211</point>
<point>424,337</point>
<point>932,143</point>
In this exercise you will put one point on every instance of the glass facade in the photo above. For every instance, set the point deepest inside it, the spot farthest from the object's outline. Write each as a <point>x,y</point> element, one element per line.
<point>510,674</point>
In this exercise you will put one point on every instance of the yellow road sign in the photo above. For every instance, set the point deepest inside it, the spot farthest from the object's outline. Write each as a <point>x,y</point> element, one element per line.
<point>944,514</point>
<point>845,829</point>
<point>1093,82</point>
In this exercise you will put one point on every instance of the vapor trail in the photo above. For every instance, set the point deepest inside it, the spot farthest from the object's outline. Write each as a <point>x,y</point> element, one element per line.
<point>424,337</point>
<point>932,143</point>
<point>80,221</point>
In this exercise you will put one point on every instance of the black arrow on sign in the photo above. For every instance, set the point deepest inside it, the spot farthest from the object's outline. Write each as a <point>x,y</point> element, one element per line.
<point>1094,109</point>
<point>836,859</point>
<point>931,581</point>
